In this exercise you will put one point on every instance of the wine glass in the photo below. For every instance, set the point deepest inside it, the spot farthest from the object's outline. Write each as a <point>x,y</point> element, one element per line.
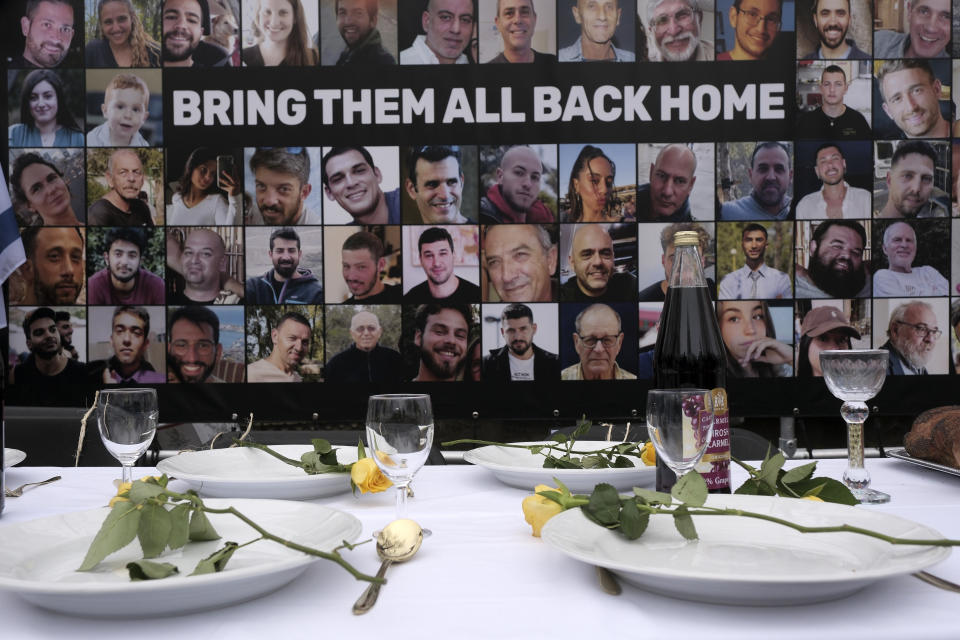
<point>128,421</point>
<point>854,376</point>
<point>399,435</point>
<point>680,425</point>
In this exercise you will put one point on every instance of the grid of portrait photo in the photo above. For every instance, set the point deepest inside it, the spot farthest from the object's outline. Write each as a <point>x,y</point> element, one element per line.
<point>520,260</point>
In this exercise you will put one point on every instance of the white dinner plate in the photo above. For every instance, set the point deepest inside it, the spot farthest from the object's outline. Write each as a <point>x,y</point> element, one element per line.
<point>519,468</point>
<point>38,560</point>
<point>745,561</point>
<point>243,472</point>
<point>12,457</point>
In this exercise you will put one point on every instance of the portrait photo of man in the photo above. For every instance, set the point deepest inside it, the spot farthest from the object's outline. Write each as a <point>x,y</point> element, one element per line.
<point>293,259</point>
<point>518,184</point>
<point>282,180</point>
<point>768,184</point>
<point>362,185</point>
<point>678,30</point>
<point>66,328</point>
<point>833,29</point>
<point>757,278</point>
<point>435,185</point>
<point>671,193</point>
<point>601,263</point>
<point>911,91</point>
<point>598,30</point>
<point>656,239</point>
<point>913,335</point>
<point>290,338</point>
<point>54,273</point>
<point>357,32</point>
<point>835,266</point>
<point>445,30</point>
<point>913,258</point>
<point>442,331</point>
<point>836,197</point>
<point>522,346</point>
<point>366,352</point>
<point>519,263</point>
<point>130,185</point>
<point>46,363</point>
<point>598,338</point>
<point>204,265</point>
<point>910,188</point>
<point>524,31</point>
<point>119,260</point>
<point>927,32</point>
<point>448,266</point>
<point>125,346</point>
<point>753,30</point>
<point>835,117</point>
<point>49,29</point>
<point>363,266</point>
<point>185,23</point>
<point>204,345</point>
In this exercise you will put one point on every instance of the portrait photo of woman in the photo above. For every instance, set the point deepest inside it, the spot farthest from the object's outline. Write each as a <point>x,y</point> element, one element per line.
<point>750,338</point>
<point>45,115</point>
<point>279,35</point>
<point>120,39</point>
<point>594,193</point>
<point>203,195</point>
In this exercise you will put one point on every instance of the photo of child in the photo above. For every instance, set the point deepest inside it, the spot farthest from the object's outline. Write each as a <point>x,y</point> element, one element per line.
<point>124,106</point>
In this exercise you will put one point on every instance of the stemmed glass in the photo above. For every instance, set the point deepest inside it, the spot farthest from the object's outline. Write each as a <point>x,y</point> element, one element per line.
<point>854,376</point>
<point>128,421</point>
<point>399,435</point>
<point>680,424</point>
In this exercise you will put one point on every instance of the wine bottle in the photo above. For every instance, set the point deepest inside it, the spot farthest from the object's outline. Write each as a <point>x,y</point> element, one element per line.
<point>690,353</point>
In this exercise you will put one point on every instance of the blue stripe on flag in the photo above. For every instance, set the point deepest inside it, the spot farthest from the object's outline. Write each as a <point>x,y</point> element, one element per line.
<point>11,247</point>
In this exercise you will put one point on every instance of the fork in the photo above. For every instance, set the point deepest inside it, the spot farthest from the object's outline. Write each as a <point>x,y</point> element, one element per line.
<point>16,493</point>
<point>937,581</point>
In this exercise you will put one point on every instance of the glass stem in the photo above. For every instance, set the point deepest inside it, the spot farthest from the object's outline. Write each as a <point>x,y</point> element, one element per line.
<point>855,414</point>
<point>127,473</point>
<point>401,500</point>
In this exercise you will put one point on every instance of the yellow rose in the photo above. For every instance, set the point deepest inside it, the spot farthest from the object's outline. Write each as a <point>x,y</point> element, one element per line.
<point>649,454</point>
<point>814,498</point>
<point>367,476</point>
<point>537,509</point>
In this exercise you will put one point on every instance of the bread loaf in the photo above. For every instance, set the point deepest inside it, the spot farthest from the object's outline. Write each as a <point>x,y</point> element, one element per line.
<point>935,436</point>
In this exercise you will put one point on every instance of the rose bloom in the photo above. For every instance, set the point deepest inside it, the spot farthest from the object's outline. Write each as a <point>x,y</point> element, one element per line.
<point>648,454</point>
<point>537,509</point>
<point>367,476</point>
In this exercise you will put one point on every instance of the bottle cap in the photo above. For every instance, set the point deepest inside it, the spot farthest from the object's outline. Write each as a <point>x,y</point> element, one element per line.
<point>686,238</point>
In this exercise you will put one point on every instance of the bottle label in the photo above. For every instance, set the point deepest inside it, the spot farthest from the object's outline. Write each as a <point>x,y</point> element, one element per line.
<point>715,464</point>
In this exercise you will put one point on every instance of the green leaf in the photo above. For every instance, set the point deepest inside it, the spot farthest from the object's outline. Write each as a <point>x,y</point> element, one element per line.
<point>749,488</point>
<point>770,467</point>
<point>830,490</point>
<point>653,497</point>
<point>799,473</point>
<point>551,495</point>
<point>216,561</point>
<point>200,527</point>
<point>604,504</point>
<point>562,486</point>
<point>583,426</point>
<point>117,531</point>
<point>179,526</point>
<point>140,491</point>
<point>622,462</point>
<point>593,462</point>
<point>559,437</point>
<point>361,452</point>
<point>147,570</point>
<point>633,522</point>
<point>321,446</point>
<point>691,489</point>
<point>684,523</point>
<point>154,529</point>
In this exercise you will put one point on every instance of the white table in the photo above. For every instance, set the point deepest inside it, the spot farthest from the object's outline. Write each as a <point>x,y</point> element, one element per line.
<point>482,575</point>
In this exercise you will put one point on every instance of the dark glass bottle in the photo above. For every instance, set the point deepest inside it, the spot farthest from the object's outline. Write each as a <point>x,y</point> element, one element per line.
<point>690,353</point>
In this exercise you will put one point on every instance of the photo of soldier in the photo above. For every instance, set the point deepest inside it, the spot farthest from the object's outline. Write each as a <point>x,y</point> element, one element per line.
<point>912,29</point>
<point>598,341</point>
<point>205,344</point>
<point>520,343</point>
<point>833,179</point>
<point>670,190</point>
<point>518,183</point>
<point>285,343</point>
<point>42,363</point>
<point>517,31</point>
<point>913,258</point>
<point>357,32</point>
<point>756,260</point>
<point>54,273</point>
<point>285,265</point>
<point>50,102</point>
<point>519,263</point>
<point>436,31</point>
<point>126,345</point>
<point>914,99</point>
<point>280,185</point>
<point>126,266</point>
<point>764,191</point>
<point>601,183</point>
<point>442,264</point>
<point>911,179</point>
<point>362,344</point>
<point>46,186</point>
<point>657,239</point>
<point>596,30</point>
<point>600,264</point>
<point>125,187</point>
<point>912,330</point>
<point>755,30</point>
<point>676,30</point>
<point>832,258</point>
<point>834,29</point>
<point>204,265</point>
<point>436,189</point>
<point>362,265</point>
<point>834,99</point>
<point>362,185</point>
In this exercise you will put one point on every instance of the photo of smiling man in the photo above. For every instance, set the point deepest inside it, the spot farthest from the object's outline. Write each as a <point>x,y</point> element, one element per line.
<point>362,185</point>
<point>290,344</point>
<point>601,30</point>
<point>446,27</point>
<point>523,31</point>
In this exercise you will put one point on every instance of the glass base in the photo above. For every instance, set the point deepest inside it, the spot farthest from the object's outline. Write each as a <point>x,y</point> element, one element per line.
<point>870,496</point>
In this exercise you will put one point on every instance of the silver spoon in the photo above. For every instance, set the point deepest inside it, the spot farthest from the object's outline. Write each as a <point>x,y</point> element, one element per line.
<point>397,542</point>
<point>16,493</point>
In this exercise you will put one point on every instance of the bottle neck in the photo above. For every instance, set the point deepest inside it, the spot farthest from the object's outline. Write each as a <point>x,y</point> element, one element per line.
<point>687,268</point>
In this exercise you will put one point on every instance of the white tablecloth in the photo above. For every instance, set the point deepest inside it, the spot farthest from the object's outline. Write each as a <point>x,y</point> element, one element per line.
<point>482,575</point>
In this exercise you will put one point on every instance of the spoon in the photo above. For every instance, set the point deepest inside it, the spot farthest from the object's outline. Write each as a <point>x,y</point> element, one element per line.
<point>397,542</point>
